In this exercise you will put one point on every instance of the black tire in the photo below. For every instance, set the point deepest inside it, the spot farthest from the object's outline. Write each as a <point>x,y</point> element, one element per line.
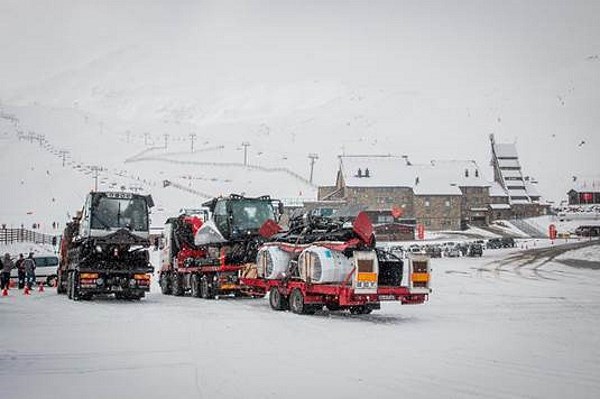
<point>60,289</point>
<point>206,288</point>
<point>333,306</point>
<point>360,310</point>
<point>195,283</point>
<point>51,281</point>
<point>165,284</point>
<point>297,304</point>
<point>70,286</point>
<point>177,284</point>
<point>75,295</point>
<point>277,300</point>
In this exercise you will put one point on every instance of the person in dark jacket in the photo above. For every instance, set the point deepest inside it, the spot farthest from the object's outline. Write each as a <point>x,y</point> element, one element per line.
<point>29,266</point>
<point>21,271</point>
<point>7,266</point>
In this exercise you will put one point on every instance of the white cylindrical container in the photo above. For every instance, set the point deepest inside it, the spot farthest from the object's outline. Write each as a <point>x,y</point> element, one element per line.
<point>272,262</point>
<point>323,265</point>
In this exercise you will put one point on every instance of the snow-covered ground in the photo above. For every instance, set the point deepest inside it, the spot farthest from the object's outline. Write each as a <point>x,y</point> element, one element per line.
<point>491,329</point>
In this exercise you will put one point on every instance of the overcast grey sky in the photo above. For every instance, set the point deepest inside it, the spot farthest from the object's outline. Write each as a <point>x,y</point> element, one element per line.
<point>509,40</point>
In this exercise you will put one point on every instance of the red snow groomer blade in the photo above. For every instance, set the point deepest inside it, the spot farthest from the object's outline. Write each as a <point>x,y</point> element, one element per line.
<point>363,228</point>
<point>269,228</point>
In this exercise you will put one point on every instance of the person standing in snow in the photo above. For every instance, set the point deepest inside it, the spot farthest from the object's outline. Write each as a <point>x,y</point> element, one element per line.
<point>20,271</point>
<point>7,266</point>
<point>29,266</point>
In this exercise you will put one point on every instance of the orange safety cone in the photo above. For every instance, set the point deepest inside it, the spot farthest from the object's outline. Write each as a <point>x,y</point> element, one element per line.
<point>41,287</point>
<point>26,290</point>
<point>5,292</point>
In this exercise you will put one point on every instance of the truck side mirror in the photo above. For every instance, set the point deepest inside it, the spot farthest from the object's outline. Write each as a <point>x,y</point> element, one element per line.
<point>149,201</point>
<point>280,208</point>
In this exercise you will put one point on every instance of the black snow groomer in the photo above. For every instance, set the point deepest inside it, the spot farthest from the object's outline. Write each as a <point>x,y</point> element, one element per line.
<point>105,248</point>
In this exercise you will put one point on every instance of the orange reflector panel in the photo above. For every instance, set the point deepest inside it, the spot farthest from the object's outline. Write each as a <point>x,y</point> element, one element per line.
<point>366,277</point>
<point>141,276</point>
<point>420,277</point>
<point>88,275</point>
<point>228,286</point>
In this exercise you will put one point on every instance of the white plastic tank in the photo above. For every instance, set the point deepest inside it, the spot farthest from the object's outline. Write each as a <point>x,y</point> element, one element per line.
<point>322,265</point>
<point>272,262</point>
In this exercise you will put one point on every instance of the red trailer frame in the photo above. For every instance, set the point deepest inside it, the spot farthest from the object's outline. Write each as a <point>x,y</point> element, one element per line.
<point>303,297</point>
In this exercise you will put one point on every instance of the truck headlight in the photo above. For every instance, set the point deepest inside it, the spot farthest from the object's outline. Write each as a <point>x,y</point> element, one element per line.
<point>98,248</point>
<point>100,281</point>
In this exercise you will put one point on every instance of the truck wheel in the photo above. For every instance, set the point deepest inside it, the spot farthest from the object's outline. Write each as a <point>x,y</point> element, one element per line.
<point>51,281</point>
<point>206,290</point>
<point>195,283</point>
<point>70,286</point>
<point>60,285</point>
<point>177,284</point>
<point>297,304</point>
<point>277,300</point>
<point>74,286</point>
<point>165,285</point>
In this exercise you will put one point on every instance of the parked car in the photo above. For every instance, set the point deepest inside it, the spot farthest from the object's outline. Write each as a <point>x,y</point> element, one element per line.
<point>416,249</point>
<point>588,231</point>
<point>433,251</point>
<point>45,269</point>
<point>508,242</point>
<point>494,243</point>
<point>452,251</point>
<point>474,249</point>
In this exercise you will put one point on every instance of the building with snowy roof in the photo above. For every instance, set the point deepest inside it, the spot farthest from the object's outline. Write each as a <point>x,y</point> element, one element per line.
<point>442,195</point>
<point>584,190</point>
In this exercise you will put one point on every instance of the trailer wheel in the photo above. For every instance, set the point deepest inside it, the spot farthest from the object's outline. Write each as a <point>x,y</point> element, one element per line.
<point>177,284</point>
<point>206,290</point>
<point>277,300</point>
<point>297,304</point>
<point>165,285</point>
<point>196,285</point>
<point>333,306</point>
<point>360,310</point>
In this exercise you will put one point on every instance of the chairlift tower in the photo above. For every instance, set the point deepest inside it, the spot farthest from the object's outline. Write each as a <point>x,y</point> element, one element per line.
<point>313,157</point>
<point>245,144</point>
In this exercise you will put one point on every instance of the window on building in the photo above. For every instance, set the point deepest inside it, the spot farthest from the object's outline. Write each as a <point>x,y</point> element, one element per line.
<point>426,202</point>
<point>385,219</point>
<point>466,172</point>
<point>447,203</point>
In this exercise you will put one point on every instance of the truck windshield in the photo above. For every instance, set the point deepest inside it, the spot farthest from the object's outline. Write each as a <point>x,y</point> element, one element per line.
<point>110,213</point>
<point>251,214</point>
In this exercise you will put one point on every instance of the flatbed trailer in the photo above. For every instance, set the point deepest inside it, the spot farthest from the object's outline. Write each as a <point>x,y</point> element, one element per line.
<point>208,281</point>
<point>304,297</point>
